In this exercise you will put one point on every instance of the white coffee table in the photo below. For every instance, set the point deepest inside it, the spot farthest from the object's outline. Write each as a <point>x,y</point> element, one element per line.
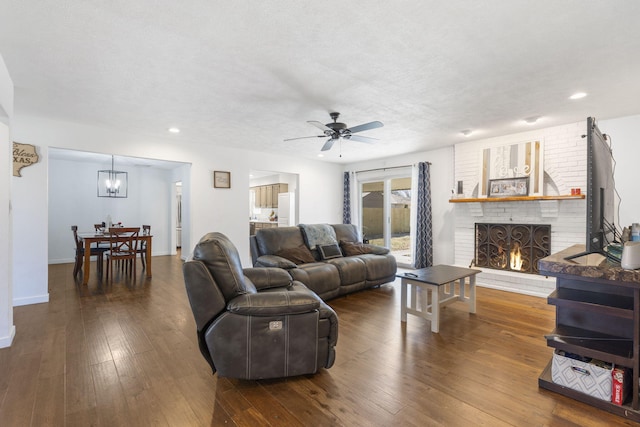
<point>438,284</point>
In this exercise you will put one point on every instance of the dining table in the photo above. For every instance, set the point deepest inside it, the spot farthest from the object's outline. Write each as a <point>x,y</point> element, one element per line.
<point>91,238</point>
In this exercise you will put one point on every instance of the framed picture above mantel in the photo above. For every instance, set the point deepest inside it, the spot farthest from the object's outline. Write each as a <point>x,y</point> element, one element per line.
<point>522,162</point>
<point>509,187</point>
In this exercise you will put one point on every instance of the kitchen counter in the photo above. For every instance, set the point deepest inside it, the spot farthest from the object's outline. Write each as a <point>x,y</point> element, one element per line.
<point>256,224</point>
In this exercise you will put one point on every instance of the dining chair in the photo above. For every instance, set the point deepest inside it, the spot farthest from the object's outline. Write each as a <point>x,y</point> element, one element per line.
<point>99,228</point>
<point>142,250</point>
<point>123,248</point>
<point>97,252</point>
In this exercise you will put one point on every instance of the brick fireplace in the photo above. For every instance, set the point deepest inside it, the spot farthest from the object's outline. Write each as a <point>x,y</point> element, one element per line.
<point>564,153</point>
<point>512,247</point>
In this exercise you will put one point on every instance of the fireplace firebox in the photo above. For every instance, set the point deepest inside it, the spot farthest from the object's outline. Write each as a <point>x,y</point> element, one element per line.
<point>512,247</point>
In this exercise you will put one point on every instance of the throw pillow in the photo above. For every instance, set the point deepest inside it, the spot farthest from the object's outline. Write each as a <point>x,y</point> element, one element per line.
<point>353,248</point>
<point>318,234</point>
<point>357,248</point>
<point>330,251</point>
<point>297,255</point>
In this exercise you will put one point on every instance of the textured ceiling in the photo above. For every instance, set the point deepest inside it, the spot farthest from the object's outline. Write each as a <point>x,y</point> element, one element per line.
<point>251,73</point>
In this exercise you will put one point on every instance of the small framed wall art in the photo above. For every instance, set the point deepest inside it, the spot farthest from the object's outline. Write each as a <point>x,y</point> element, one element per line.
<point>221,179</point>
<point>509,187</point>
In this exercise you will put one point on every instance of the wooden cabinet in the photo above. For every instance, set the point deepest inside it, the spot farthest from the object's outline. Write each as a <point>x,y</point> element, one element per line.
<point>597,316</point>
<point>268,189</point>
<point>277,189</point>
<point>263,197</point>
<point>266,196</point>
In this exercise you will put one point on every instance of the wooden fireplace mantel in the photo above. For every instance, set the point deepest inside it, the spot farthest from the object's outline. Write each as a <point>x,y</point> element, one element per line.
<point>549,205</point>
<point>515,199</point>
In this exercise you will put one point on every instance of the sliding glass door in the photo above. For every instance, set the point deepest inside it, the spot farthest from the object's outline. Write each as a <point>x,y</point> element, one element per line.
<point>386,214</point>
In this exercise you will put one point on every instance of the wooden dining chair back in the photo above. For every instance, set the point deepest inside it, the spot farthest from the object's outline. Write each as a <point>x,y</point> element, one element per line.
<point>142,250</point>
<point>99,228</point>
<point>123,243</point>
<point>97,252</point>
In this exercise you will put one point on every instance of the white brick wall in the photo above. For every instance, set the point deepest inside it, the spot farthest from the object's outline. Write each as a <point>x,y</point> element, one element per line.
<point>565,167</point>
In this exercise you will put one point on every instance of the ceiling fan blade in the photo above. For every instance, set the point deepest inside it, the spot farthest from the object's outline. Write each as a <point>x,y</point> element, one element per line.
<point>366,126</point>
<point>304,137</point>
<point>320,126</point>
<point>361,138</point>
<point>327,145</point>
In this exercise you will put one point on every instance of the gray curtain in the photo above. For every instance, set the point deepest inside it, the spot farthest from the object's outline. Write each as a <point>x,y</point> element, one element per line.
<point>346,200</point>
<point>424,230</point>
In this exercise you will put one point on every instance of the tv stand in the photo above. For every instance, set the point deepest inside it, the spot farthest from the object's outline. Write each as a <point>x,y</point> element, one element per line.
<point>597,315</point>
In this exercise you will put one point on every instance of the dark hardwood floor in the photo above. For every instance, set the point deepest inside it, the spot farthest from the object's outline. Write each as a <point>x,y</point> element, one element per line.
<point>126,354</point>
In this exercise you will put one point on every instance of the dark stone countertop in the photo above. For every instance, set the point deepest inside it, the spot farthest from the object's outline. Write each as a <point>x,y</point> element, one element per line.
<point>592,266</point>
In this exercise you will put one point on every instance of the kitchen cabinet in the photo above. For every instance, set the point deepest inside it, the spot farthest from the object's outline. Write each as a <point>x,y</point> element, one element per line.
<point>266,196</point>
<point>275,190</point>
<point>263,197</point>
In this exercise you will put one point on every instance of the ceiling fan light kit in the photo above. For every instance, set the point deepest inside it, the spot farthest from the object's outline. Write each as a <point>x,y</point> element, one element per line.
<point>337,130</point>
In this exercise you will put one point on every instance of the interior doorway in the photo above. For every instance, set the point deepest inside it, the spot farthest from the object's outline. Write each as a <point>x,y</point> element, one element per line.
<point>178,212</point>
<point>151,199</point>
<point>273,199</point>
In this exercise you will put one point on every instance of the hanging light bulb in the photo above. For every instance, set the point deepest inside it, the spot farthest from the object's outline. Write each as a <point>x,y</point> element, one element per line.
<point>112,183</point>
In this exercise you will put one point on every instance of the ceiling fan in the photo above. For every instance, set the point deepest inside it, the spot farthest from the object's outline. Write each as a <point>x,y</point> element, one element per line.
<point>336,130</point>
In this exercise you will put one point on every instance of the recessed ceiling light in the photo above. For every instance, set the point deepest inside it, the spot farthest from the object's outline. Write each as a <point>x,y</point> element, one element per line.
<point>320,155</point>
<point>578,95</point>
<point>531,120</point>
<point>466,132</point>
<point>174,130</point>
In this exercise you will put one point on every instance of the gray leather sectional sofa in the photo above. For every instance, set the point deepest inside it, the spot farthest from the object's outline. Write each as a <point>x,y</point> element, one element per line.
<point>329,259</point>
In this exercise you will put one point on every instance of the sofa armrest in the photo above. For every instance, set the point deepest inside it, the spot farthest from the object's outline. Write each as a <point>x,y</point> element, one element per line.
<point>268,277</point>
<point>274,303</point>
<point>274,261</point>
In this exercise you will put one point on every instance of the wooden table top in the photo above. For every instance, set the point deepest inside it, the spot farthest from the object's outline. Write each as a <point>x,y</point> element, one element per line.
<point>439,274</point>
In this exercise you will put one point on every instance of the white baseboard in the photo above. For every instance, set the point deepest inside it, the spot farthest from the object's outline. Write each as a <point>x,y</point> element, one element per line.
<point>38,299</point>
<point>514,290</point>
<point>62,261</point>
<point>6,341</point>
<point>72,260</point>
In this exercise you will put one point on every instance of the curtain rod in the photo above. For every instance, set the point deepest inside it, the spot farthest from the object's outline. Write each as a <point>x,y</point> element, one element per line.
<point>384,169</point>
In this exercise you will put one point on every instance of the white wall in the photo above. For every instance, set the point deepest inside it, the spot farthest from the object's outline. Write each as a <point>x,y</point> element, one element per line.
<point>29,198</point>
<point>441,175</point>
<point>7,329</point>
<point>625,138</point>
<point>210,209</point>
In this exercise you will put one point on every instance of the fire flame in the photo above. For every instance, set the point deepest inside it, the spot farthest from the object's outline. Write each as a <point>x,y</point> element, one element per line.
<point>516,258</point>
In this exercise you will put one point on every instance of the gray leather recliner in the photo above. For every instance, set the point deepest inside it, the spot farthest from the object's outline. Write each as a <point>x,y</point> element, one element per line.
<point>255,323</point>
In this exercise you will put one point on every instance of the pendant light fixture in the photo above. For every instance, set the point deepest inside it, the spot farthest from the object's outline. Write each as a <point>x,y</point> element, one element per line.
<point>112,183</point>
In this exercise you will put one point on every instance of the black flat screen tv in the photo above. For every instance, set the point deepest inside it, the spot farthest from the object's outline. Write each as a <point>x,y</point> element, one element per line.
<point>601,229</point>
